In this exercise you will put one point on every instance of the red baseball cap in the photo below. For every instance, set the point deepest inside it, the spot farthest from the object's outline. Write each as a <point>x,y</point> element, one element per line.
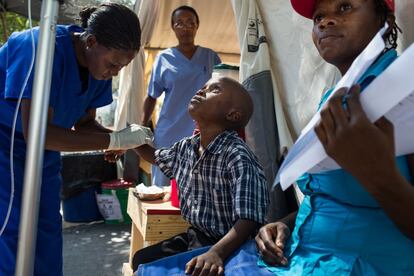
<point>306,7</point>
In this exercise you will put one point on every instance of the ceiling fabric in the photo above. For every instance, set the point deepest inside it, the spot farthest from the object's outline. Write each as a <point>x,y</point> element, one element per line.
<point>217,25</point>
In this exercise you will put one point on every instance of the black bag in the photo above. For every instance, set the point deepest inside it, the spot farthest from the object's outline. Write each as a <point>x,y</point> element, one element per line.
<point>81,171</point>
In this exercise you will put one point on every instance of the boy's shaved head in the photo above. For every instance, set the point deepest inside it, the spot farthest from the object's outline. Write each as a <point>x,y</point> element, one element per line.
<point>222,102</point>
<point>241,101</point>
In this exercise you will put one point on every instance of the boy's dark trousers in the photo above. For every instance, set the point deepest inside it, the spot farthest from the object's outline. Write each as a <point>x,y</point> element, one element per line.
<point>183,242</point>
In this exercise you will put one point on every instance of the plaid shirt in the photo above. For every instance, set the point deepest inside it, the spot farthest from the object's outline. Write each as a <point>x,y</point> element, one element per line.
<point>223,185</point>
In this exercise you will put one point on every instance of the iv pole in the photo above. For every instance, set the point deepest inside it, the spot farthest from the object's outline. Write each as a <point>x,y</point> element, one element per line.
<point>36,138</point>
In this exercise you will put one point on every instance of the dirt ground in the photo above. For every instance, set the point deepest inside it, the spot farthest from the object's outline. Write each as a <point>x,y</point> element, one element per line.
<point>95,249</point>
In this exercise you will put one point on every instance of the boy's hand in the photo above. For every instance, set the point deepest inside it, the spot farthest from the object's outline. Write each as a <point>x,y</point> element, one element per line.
<point>208,263</point>
<point>271,241</point>
<point>112,156</point>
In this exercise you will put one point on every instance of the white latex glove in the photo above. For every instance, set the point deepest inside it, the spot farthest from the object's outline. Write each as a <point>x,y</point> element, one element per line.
<point>130,137</point>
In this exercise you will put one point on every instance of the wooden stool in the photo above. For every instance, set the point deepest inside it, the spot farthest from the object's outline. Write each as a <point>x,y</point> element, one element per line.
<point>152,222</point>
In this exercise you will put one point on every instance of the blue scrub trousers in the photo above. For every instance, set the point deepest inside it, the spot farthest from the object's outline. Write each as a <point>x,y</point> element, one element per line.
<point>48,256</point>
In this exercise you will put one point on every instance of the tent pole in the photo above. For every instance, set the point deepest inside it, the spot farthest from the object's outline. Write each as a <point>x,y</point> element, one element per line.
<point>36,139</point>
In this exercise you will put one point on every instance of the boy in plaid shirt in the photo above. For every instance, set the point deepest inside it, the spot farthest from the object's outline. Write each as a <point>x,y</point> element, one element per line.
<point>221,186</point>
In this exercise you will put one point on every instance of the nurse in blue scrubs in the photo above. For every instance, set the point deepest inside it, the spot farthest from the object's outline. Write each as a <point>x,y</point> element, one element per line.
<point>178,72</point>
<point>85,60</point>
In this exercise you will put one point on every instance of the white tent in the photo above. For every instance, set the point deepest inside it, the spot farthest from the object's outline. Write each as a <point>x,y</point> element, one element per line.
<point>285,70</point>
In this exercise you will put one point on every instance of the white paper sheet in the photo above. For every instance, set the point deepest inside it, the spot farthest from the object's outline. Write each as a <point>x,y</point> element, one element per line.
<point>385,95</point>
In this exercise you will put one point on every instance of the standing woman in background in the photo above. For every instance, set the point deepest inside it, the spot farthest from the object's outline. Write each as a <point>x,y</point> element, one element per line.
<point>85,60</point>
<point>178,72</point>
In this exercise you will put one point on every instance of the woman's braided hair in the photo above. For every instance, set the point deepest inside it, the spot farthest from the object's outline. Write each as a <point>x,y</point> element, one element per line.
<point>114,26</point>
<point>383,11</point>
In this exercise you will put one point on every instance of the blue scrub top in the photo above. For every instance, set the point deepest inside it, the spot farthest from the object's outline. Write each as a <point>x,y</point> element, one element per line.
<point>69,102</point>
<point>67,98</point>
<point>179,78</point>
<point>340,228</point>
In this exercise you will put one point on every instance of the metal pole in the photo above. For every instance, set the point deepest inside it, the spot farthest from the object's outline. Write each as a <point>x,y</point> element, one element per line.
<point>36,139</point>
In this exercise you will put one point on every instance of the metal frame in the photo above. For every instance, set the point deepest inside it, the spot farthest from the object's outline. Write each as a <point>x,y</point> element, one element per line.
<point>36,139</point>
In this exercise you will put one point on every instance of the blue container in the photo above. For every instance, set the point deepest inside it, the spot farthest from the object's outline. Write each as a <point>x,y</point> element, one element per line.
<point>82,207</point>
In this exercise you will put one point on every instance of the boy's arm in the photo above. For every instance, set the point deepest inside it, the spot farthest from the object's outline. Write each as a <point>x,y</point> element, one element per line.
<point>165,158</point>
<point>212,261</point>
<point>237,235</point>
<point>146,152</point>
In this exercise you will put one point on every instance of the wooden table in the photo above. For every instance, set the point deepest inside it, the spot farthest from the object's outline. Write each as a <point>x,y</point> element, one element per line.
<point>152,221</point>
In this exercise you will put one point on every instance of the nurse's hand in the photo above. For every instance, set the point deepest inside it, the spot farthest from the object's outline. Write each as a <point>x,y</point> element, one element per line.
<point>112,156</point>
<point>130,137</point>
<point>271,241</point>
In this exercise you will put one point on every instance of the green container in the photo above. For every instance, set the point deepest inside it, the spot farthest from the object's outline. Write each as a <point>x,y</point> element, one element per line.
<point>114,200</point>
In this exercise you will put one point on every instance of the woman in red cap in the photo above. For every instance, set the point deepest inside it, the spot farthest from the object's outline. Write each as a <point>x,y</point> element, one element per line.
<point>357,220</point>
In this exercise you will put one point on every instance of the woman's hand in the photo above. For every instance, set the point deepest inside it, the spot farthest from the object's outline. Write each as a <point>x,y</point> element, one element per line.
<point>271,241</point>
<point>208,263</point>
<point>367,151</point>
<point>362,148</point>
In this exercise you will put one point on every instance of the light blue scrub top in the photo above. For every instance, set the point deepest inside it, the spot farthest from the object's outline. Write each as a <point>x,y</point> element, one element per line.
<point>179,78</point>
<point>340,228</point>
